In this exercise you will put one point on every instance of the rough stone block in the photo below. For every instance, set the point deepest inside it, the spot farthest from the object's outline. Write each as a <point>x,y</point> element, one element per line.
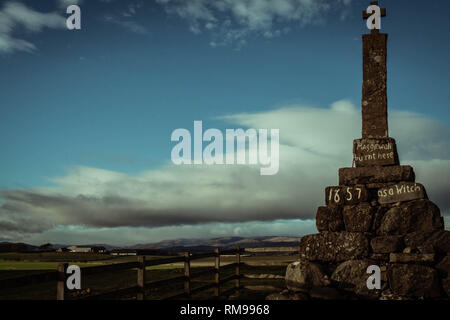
<point>414,239</point>
<point>444,268</point>
<point>378,217</point>
<point>439,240</point>
<point>426,248</point>
<point>413,280</point>
<point>342,195</point>
<point>418,215</point>
<point>334,246</point>
<point>278,297</point>
<point>371,175</point>
<point>411,257</point>
<point>387,244</point>
<point>444,265</point>
<point>352,276</point>
<point>358,218</point>
<point>387,295</point>
<point>329,219</point>
<point>384,257</point>
<point>375,152</point>
<point>403,191</point>
<point>302,275</point>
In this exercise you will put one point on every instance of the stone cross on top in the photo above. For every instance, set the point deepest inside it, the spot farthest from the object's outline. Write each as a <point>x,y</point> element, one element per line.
<point>374,93</point>
<point>374,23</point>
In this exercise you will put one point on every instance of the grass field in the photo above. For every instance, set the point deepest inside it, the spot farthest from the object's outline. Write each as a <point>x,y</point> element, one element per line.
<point>25,265</point>
<point>62,257</point>
<point>17,265</point>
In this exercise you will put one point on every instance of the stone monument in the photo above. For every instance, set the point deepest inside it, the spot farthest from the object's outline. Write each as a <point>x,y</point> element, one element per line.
<point>377,216</point>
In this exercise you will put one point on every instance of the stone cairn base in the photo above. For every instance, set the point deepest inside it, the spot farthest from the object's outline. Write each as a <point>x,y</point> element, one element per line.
<point>378,215</point>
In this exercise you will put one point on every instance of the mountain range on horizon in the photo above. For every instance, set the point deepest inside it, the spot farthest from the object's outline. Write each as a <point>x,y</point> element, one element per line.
<point>181,244</point>
<point>223,242</point>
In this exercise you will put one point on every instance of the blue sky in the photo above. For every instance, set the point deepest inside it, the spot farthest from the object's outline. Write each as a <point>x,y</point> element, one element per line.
<point>84,113</point>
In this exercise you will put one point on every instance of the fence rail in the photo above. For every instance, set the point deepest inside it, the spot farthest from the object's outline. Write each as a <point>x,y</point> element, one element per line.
<point>142,285</point>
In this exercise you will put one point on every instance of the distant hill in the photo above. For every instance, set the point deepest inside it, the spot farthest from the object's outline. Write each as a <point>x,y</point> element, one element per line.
<point>23,247</point>
<point>16,247</point>
<point>178,245</point>
<point>223,243</point>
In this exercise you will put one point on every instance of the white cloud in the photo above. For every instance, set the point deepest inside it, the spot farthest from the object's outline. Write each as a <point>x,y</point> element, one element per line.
<point>65,3</point>
<point>314,143</point>
<point>16,15</point>
<point>126,23</point>
<point>132,9</point>
<point>232,21</point>
<point>126,19</point>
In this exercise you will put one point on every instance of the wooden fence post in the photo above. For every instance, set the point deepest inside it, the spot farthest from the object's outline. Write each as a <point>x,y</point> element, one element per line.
<point>217,273</point>
<point>61,284</point>
<point>238,271</point>
<point>141,278</point>
<point>187,274</point>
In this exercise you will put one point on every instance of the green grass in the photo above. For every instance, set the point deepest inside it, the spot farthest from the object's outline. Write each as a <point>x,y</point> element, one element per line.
<point>51,266</point>
<point>69,257</point>
<point>37,266</point>
<point>55,257</point>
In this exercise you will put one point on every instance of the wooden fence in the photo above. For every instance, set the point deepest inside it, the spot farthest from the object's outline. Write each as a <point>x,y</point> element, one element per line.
<point>142,285</point>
